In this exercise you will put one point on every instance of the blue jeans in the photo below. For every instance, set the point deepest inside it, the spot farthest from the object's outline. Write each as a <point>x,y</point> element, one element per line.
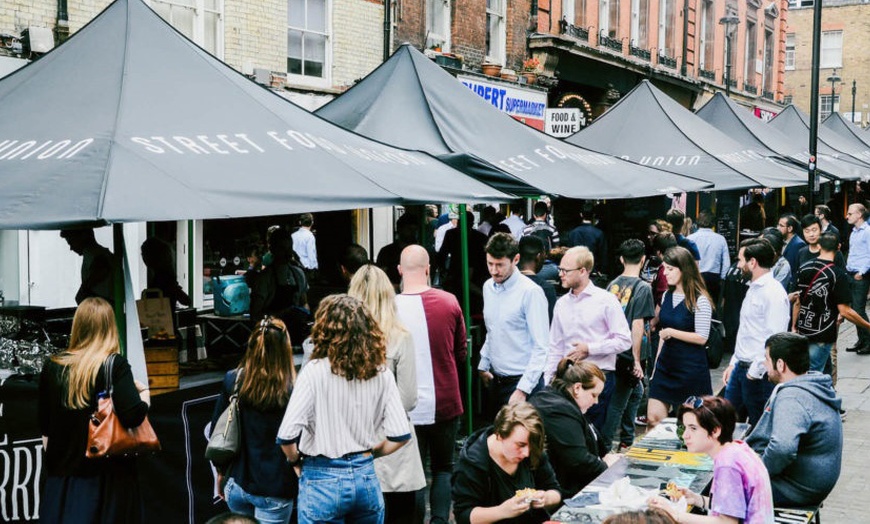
<point>622,410</point>
<point>597,414</point>
<point>859,304</point>
<point>743,392</point>
<point>339,490</point>
<point>820,357</point>
<point>267,510</point>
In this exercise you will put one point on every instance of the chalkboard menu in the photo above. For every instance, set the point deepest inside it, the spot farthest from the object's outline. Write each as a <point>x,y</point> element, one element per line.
<point>727,212</point>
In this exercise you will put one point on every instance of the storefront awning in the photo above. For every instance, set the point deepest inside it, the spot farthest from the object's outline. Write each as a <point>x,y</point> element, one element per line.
<point>648,127</point>
<point>750,131</point>
<point>411,102</point>
<point>848,131</point>
<point>129,121</point>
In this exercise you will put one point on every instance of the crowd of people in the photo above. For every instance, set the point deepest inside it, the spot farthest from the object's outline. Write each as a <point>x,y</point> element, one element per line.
<point>568,365</point>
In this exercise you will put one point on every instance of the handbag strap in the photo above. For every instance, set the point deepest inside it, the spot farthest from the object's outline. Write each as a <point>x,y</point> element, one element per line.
<point>813,281</point>
<point>236,385</point>
<point>107,370</point>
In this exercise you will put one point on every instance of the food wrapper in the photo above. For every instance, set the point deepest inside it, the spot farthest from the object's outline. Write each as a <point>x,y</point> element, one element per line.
<point>622,495</point>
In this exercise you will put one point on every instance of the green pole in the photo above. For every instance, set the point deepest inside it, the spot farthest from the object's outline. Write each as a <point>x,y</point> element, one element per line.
<point>191,287</point>
<point>466,309</point>
<point>118,275</point>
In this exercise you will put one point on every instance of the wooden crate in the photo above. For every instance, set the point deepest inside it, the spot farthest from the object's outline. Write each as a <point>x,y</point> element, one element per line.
<point>162,365</point>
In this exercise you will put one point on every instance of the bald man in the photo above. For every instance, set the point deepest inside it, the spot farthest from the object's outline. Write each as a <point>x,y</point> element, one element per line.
<point>435,321</point>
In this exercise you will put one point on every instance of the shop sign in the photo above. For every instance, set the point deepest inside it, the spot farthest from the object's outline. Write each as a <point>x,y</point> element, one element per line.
<point>764,114</point>
<point>564,122</point>
<point>526,105</point>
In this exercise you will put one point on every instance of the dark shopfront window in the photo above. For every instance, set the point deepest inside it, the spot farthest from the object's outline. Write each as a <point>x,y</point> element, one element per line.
<point>225,240</point>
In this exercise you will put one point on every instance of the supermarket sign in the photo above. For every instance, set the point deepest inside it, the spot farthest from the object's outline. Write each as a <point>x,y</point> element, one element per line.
<point>526,105</point>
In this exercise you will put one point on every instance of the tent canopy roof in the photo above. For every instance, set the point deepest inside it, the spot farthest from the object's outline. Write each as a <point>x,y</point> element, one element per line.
<point>795,123</point>
<point>735,121</point>
<point>649,127</point>
<point>411,102</point>
<point>129,121</point>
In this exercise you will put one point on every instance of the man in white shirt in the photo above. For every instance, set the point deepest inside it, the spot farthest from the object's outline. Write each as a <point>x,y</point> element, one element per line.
<point>713,248</point>
<point>765,312</point>
<point>304,243</point>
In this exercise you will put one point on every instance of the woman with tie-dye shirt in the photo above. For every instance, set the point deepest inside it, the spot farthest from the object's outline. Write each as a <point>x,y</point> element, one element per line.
<point>741,486</point>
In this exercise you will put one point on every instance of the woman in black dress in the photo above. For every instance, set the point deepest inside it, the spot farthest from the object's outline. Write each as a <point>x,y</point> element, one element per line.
<point>684,320</point>
<point>78,489</point>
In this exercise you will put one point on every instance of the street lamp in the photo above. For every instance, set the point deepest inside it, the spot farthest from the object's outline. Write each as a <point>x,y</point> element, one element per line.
<point>834,79</point>
<point>728,21</point>
<point>854,90</point>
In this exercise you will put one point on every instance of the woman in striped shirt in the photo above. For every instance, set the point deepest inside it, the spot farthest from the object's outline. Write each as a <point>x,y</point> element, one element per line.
<point>344,402</point>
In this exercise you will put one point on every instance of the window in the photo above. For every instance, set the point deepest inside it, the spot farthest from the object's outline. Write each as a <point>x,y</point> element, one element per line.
<point>789,52</point>
<point>800,3</point>
<point>708,35</point>
<point>199,20</point>
<point>438,24</point>
<point>825,108</point>
<point>767,81</point>
<point>751,52</point>
<point>574,12</point>
<point>832,49</point>
<point>667,27</point>
<point>307,39</point>
<point>608,18</point>
<point>786,100</point>
<point>640,23</point>
<point>496,12</point>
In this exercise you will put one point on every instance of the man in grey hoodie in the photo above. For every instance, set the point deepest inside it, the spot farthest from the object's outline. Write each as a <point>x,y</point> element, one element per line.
<point>800,434</point>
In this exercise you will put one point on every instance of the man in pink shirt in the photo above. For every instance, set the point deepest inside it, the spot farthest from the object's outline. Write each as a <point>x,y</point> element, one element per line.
<point>588,324</point>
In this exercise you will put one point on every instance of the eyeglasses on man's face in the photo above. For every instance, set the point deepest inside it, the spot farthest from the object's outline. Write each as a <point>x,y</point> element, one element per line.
<point>566,270</point>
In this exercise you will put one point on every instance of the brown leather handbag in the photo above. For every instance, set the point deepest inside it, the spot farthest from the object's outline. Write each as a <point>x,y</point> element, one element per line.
<point>107,437</point>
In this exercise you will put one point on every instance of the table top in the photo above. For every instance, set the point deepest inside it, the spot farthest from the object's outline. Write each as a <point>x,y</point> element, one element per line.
<point>656,459</point>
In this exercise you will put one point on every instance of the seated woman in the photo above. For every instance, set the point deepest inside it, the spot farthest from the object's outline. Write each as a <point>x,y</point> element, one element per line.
<point>503,474</point>
<point>741,487</point>
<point>574,446</point>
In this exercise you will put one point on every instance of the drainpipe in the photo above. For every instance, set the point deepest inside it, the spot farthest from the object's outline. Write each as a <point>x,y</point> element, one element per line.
<point>683,65</point>
<point>61,29</point>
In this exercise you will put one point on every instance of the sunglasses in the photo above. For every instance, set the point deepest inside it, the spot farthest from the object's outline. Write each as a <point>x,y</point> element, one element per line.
<point>694,402</point>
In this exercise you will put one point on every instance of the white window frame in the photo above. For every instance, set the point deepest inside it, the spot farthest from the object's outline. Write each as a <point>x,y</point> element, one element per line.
<point>604,20</point>
<point>663,29</point>
<point>498,48</point>
<point>750,51</point>
<point>790,49</point>
<point>831,49</point>
<point>707,6</point>
<point>825,100</point>
<point>434,38</point>
<point>569,12</point>
<point>199,9</point>
<point>313,81</point>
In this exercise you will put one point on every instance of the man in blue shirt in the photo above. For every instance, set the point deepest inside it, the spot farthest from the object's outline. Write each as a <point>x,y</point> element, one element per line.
<point>789,226</point>
<point>858,266</point>
<point>713,248</point>
<point>514,354</point>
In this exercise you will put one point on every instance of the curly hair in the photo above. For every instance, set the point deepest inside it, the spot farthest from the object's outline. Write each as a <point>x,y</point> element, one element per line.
<point>346,333</point>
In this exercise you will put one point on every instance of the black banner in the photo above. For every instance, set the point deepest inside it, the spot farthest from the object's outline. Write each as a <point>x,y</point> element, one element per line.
<point>178,484</point>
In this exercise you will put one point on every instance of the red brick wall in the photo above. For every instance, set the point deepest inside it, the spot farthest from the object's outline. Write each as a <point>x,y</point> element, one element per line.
<point>468,27</point>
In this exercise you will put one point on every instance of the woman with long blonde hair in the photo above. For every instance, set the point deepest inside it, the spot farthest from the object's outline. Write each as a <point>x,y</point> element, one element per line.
<point>684,316</point>
<point>345,412</point>
<point>79,489</point>
<point>258,482</point>
<point>401,474</point>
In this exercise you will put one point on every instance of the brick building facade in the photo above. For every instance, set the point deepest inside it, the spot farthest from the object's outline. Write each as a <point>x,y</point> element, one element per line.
<point>845,29</point>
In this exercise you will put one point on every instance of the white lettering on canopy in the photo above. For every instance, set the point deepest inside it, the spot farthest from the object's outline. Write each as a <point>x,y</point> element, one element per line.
<point>46,149</point>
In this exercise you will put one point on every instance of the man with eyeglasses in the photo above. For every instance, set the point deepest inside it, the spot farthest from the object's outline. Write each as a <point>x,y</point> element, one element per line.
<point>514,353</point>
<point>858,267</point>
<point>588,324</point>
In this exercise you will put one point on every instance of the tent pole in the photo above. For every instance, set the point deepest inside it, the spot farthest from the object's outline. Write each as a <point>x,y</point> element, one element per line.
<point>118,276</point>
<point>466,308</point>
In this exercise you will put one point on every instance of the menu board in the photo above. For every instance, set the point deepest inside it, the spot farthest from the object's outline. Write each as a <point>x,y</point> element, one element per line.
<point>727,213</point>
